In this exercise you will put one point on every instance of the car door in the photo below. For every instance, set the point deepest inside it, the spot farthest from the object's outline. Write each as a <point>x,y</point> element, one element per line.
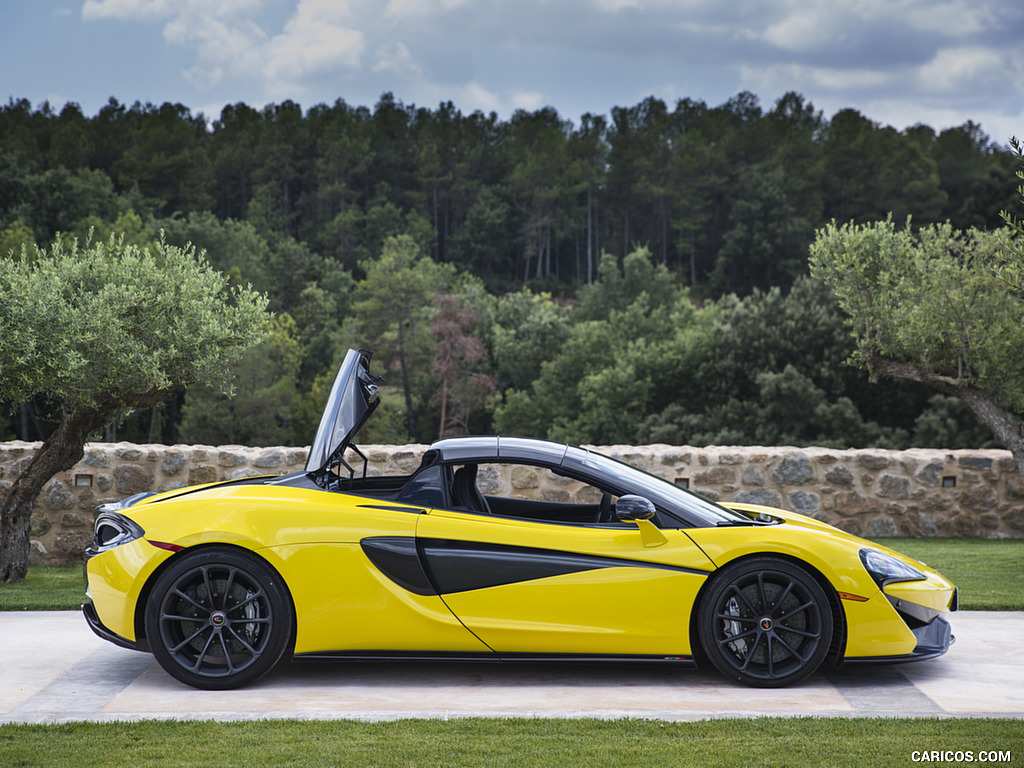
<point>526,586</point>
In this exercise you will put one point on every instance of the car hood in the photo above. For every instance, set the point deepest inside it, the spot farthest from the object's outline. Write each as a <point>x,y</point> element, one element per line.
<point>353,398</point>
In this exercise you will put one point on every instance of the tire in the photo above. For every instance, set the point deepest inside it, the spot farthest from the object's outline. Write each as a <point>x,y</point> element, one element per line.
<point>218,619</point>
<point>765,622</point>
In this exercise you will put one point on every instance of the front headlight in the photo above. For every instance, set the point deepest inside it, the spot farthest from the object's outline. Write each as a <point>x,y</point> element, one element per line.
<point>886,569</point>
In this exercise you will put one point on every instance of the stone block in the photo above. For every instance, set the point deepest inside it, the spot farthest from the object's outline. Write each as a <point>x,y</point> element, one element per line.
<point>753,475</point>
<point>173,462</point>
<point>794,469</point>
<point>930,475</point>
<point>131,478</point>
<point>893,487</point>
<point>269,460</point>
<point>981,498</point>
<point>765,497</point>
<point>840,476</point>
<point>58,495</point>
<point>979,463</point>
<point>881,527</point>
<point>803,502</point>
<point>853,504</point>
<point>525,478</point>
<point>872,461</point>
<point>715,476</point>
<point>201,474</point>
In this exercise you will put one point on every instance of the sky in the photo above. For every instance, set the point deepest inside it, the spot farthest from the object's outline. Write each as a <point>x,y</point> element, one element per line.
<point>897,62</point>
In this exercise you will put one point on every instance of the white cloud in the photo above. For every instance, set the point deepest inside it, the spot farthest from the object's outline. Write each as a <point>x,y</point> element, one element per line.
<point>396,59</point>
<point>796,77</point>
<point>475,96</point>
<point>528,100</point>
<point>315,40</point>
<point>953,69</point>
<point>143,10</point>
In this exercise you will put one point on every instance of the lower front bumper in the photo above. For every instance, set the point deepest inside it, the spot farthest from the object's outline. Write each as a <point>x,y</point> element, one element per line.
<point>93,620</point>
<point>933,639</point>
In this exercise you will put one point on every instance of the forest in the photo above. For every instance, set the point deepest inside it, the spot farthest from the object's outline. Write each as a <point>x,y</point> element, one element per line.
<point>637,277</point>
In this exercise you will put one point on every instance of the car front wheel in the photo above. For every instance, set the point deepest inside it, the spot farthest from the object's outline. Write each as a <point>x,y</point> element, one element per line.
<point>765,622</point>
<point>218,619</point>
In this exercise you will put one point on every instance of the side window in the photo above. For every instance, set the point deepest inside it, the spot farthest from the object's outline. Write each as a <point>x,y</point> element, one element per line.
<point>424,489</point>
<point>531,492</point>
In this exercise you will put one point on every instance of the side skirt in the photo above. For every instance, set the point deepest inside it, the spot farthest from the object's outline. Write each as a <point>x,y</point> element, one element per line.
<point>535,658</point>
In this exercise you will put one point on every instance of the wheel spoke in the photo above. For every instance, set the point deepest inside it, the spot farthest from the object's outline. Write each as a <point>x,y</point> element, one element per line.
<point>782,598</point>
<point>245,644</point>
<point>733,617</point>
<point>190,599</point>
<point>734,589</point>
<point>801,632</point>
<point>806,606</point>
<point>188,640</point>
<point>227,589</point>
<point>202,654</point>
<point>248,601</point>
<point>209,588</point>
<point>762,593</point>
<point>751,653</point>
<point>734,638</point>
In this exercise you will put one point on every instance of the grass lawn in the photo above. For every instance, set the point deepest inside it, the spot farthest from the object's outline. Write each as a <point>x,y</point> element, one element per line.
<point>520,742</point>
<point>45,588</point>
<point>989,573</point>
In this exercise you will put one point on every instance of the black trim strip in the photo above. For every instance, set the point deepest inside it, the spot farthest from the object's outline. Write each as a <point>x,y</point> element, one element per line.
<point>483,657</point>
<point>462,566</point>
<point>455,656</point>
<point>389,508</point>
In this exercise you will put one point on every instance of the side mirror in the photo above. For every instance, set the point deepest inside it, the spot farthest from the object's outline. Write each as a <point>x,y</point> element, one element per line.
<point>640,511</point>
<point>633,507</point>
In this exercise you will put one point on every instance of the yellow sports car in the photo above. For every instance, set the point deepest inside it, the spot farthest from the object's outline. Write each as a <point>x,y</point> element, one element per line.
<point>222,581</point>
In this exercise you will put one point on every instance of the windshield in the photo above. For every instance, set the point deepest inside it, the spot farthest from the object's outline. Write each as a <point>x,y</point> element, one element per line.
<point>693,508</point>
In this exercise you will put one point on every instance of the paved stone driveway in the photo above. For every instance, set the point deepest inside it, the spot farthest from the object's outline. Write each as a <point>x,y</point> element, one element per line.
<point>53,669</point>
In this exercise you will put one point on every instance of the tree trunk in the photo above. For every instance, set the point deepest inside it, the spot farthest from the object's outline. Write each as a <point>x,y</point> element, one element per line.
<point>61,451</point>
<point>1007,427</point>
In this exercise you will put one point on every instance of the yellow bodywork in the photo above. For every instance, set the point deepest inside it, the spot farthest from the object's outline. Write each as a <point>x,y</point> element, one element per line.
<point>343,602</point>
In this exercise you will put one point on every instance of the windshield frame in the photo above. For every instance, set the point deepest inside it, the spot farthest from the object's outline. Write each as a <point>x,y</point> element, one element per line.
<point>690,507</point>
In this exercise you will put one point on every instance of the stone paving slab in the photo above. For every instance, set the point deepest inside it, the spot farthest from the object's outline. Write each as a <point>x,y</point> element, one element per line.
<point>53,669</point>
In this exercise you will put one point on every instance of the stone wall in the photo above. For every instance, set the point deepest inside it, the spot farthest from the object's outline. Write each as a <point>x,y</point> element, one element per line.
<point>867,492</point>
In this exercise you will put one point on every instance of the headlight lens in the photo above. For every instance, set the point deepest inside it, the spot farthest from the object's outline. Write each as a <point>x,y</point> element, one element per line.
<point>885,569</point>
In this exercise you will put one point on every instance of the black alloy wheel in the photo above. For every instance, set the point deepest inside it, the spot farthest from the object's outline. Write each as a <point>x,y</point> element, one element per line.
<point>218,619</point>
<point>765,622</point>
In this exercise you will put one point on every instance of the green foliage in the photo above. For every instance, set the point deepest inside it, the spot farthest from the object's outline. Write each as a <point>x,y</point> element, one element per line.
<point>14,237</point>
<point>930,298</point>
<point>725,199</point>
<point>948,423</point>
<point>391,314</point>
<point>264,408</point>
<point>1011,267</point>
<point>107,323</point>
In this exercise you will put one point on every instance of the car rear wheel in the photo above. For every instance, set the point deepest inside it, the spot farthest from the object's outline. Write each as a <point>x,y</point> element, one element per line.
<point>765,622</point>
<point>218,619</point>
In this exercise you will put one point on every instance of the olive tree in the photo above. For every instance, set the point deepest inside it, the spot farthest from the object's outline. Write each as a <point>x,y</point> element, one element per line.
<point>97,331</point>
<point>929,306</point>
